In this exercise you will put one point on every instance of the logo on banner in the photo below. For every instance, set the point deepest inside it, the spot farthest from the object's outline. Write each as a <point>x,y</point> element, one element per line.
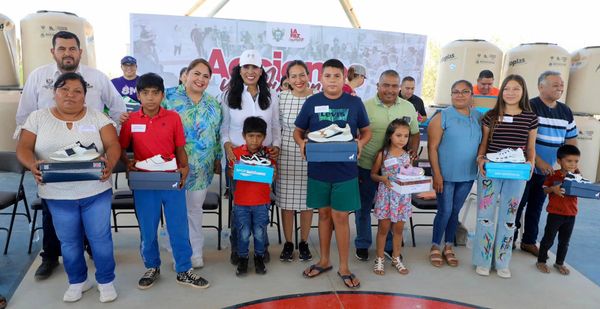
<point>295,35</point>
<point>278,34</point>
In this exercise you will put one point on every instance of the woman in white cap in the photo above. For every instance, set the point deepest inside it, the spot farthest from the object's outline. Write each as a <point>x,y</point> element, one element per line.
<point>357,74</point>
<point>248,94</point>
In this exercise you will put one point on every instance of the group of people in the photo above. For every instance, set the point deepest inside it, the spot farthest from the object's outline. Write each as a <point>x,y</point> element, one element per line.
<point>63,104</point>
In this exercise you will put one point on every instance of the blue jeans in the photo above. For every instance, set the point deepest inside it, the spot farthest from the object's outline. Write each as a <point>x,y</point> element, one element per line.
<point>90,216</point>
<point>233,237</point>
<point>449,202</point>
<point>362,217</point>
<point>533,198</point>
<point>148,204</point>
<point>251,220</point>
<point>493,242</point>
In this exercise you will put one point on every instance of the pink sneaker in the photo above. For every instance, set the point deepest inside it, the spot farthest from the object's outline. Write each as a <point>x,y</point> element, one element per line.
<point>412,171</point>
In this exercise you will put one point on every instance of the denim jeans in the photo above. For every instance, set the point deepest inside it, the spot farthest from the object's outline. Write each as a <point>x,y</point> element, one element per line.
<point>233,237</point>
<point>449,202</point>
<point>493,242</point>
<point>251,220</point>
<point>362,217</point>
<point>148,204</point>
<point>89,216</point>
<point>533,198</point>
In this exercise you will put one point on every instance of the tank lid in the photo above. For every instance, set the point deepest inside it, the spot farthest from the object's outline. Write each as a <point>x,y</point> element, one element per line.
<point>470,40</point>
<point>538,43</point>
<point>591,47</point>
<point>61,12</point>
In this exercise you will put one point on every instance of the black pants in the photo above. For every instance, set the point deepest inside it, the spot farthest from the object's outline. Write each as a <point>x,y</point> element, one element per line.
<point>563,225</point>
<point>50,242</point>
<point>534,198</point>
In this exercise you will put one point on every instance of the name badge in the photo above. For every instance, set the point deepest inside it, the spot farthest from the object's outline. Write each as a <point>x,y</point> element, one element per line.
<point>322,109</point>
<point>507,119</point>
<point>138,128</point>
<point>390,162</point>
<point>87,128</point>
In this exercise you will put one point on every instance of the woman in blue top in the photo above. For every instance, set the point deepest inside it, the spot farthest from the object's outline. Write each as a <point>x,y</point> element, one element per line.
<point>454,136</point>
<point>201,117</point>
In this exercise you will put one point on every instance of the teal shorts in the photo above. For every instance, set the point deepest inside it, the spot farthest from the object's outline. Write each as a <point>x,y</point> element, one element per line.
<point>341,196</point>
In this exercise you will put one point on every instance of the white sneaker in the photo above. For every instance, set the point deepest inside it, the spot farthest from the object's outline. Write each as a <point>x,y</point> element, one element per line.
<point>503,273</point>
<point>75,291</point>
<point>507,155</point>
<point>482,271</point>
<point>76,153</point>
<point>332,133</point>
<point>255,160</point>
<point>107,292</point>
<point>157,164</point>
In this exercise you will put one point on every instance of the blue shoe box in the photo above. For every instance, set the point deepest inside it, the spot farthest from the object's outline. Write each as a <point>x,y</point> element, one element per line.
<point>516,171</point>
<point>71,171</point>
<point>583,190</point>
<point>154,180</point>
<point>253,173</point>
<point>331,152</point>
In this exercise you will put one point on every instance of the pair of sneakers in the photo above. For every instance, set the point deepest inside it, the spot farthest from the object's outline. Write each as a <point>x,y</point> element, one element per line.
<point>75,291</point>
<point>576,177</point>
<point>287,254</point>
<point>185,277</point>
<point>484,271</point>
<point>507,155</point>
<point>76,153</point>
<point>259,266</point>
<point>332,133</point>
<point>157,163</point>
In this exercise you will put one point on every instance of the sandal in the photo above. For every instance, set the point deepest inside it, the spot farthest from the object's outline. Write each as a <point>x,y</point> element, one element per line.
<point>435,257</point>
<point>450,257</point>
<point>542,267</point>
<point>316,267</point>
<point>351,278</point>
<point>396,262</point>
<point>378,268</point>
<point>562,269</point>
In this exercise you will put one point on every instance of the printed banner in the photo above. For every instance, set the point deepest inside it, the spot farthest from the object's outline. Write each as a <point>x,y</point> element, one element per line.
<point>165,44</point>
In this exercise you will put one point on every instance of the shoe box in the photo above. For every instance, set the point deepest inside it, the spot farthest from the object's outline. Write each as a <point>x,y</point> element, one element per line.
<point>417,185</point>
<point>154,180</point>
<point>580,189</point>
<point>331,152</point>
<point>253,173</point>
<point>516,171</point>
<point>71,171</point>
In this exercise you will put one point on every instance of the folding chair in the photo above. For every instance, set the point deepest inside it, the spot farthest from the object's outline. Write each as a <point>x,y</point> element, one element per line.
<point>10,164</point>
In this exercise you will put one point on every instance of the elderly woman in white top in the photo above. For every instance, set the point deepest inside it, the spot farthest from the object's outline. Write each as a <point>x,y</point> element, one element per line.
<point>248,94</point>
<point>46,134</point>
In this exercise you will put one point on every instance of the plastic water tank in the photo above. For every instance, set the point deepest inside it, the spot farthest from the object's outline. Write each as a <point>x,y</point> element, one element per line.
<point>464,59</point>
<point>588,142</point>
<point>584,81</point>
<point>38,29</point>
<point>9,101</point>
<point>9,57</point>
<point>532,59</point>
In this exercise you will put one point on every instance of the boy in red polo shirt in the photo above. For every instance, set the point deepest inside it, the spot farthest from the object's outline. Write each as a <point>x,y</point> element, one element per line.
<point>252,199</point>
<point>157,131</point>
<point>562,210</point>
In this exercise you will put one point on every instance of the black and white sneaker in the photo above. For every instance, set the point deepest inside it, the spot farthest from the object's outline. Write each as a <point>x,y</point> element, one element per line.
<point>148,279</point>
<point>362,254</point>
<point>191,279</point>
<point>388,254</point>
<point>576,177</point>
<point>259,265</point>
<point>255,160</point>
<point>305,254</point>
<point>242,267</point>
<point>287,254</point>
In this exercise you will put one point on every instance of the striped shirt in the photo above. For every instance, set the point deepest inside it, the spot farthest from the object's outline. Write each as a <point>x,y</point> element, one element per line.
<point>555,126</point>
<point>512,131</point>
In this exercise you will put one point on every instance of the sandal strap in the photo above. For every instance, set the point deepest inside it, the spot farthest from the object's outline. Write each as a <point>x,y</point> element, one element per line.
<point>396,262</point>
<point>379,266</point>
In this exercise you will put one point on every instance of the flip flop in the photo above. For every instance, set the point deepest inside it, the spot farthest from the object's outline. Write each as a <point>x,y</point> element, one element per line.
<point>316,267</point>
<point>350,277</point>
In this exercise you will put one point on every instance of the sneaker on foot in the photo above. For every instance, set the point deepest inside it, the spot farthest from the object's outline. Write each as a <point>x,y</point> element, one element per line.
<point>148,279</point>
<point>507,155</point>
<point>191,279</point>
<point>242,267</point>
<point>388,254</point>
<point>304,251</point>
<point>482,271</point>
<point>362,254</point>
<point>531,248</point>
<point>287,254</point>
<point>503,273</point>
<point>158,163</point>
<point>107,292</point>
<point>75,291</point>
<point>332,133</point>
<point>234,258</point>
<point>45,269</point>
<point>259,265</point>
<point>76,153</point>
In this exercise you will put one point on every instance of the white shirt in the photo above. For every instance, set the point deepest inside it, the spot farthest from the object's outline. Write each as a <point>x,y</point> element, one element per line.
<point>233,119</point>
<point>38,92</point>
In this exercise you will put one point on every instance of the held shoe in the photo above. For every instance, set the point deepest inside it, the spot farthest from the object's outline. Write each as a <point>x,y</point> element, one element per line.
<point>76,153</point>
<point>332,133</point>
<point>255,160</point>
<point>577,178</point>
<point>75,291</point>
<point>107,292</point>
<point>158,163</point>
<point>408,173</point>
<point>508,155</point>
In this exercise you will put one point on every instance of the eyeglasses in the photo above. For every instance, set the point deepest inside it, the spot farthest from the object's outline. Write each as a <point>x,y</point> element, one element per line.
<point>464,92</point>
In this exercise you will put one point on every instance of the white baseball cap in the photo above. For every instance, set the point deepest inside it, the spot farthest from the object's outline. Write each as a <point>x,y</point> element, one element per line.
<point>251,56</point>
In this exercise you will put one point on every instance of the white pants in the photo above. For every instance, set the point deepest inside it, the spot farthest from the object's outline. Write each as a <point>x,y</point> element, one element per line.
<point>194,201</point>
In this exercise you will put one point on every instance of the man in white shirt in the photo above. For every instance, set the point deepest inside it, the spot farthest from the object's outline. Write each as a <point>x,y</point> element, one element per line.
<point>38,93</point>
